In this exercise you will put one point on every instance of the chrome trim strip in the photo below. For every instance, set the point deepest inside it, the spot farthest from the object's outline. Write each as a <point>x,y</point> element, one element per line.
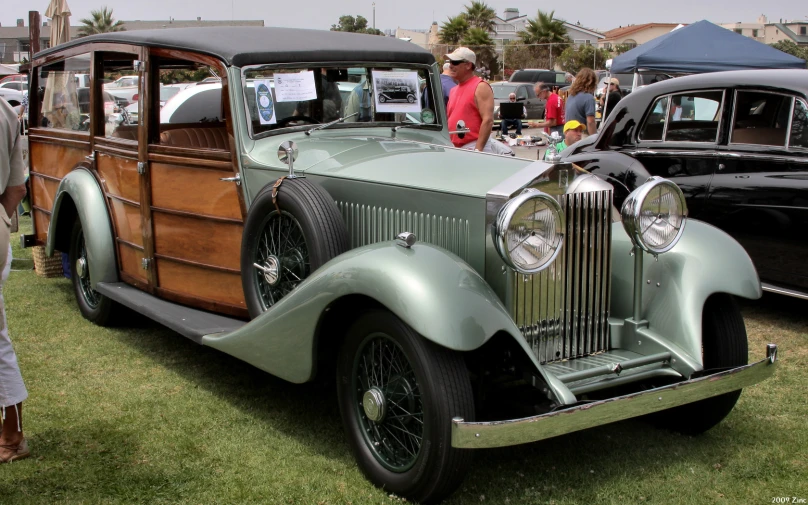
<point>783,291</point>
<point>478,435</point>
<point>518,180</point>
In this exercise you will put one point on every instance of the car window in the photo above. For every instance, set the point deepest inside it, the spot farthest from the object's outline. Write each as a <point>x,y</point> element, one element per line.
<point>655,123</point>
<point>501,92</point>
<point>694,117</point>
<point>64,105</point>
<point>760,118</point>
<point>521,93</point>
<point>799,126</point>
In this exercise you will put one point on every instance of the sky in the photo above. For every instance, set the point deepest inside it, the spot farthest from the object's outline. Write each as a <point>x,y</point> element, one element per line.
<point>419,14</point>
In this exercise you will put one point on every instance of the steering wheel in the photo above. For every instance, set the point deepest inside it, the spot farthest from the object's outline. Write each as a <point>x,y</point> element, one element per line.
<point>293,119</point>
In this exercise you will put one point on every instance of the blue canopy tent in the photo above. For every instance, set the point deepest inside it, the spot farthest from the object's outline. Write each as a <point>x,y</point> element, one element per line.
<point>702,47</point>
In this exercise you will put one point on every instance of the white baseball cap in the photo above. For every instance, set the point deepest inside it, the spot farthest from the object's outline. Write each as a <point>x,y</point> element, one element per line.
<point>462,53</point>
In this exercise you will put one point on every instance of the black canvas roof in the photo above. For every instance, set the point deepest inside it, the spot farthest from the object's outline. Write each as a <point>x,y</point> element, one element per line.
<point>251,45</point>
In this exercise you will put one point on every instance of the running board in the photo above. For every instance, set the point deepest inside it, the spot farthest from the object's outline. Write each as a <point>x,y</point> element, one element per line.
<point>771,288</point>
<point>188,322</point>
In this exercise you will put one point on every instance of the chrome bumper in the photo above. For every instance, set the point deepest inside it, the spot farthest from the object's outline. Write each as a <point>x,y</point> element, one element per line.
<point>521,431</point>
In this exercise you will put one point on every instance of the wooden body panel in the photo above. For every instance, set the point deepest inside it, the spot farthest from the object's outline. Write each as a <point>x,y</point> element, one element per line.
<point>213,290</point>
<point>49,163</point>
<point>198,240</point>
<point>126,221</point>
<point>194,190</point>
<point>131,260</point>
<point>119,176</point>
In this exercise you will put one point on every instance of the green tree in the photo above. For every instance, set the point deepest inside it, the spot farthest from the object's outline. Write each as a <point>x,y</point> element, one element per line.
<point>480,15</point>
<point>545,29</point>
<point>573,59</point>
<point>100,22</point>
<point>620,49</point>
<point>479,41</point>
<point>358,24</point>
<point>791,48</point>
<point>452,31</point>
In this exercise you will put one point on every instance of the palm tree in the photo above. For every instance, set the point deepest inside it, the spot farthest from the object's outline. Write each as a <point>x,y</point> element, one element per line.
<point>480,15</point>
<point>479,41</point>
<point>545,29</point>
<point>101,22</point>
<point>453,30</point>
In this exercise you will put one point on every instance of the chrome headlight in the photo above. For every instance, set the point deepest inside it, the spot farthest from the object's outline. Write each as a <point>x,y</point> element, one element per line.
<point>529,231</point>
<point>654,215</point>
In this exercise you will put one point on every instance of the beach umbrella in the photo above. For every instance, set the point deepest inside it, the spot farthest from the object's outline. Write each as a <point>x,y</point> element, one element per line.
<point>59,13</point>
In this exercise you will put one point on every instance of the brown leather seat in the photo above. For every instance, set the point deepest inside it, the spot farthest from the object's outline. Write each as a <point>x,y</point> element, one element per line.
<point>196,138</point>
<point>760,136</point>
<point>125,132</point>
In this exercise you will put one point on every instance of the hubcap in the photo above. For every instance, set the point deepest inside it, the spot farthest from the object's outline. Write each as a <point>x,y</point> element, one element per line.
<point>81,267</point>
<point>270,269</point>
<point>373,402</point>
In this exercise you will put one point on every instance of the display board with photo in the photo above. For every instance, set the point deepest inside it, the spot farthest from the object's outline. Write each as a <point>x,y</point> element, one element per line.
<point>396,91</point>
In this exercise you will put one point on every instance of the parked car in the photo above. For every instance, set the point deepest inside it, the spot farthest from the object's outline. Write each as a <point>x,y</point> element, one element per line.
<point>14,78</point>
<point>18,85</point>
<point>737,145</point>
<point>397,94</point>
<point>13,97</point>
<point>534,75</point>
<point>525,94</point>
<point>455,299</point>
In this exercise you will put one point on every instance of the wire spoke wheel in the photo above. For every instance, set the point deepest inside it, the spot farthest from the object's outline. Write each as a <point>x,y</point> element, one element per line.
<point>281,259</point>
<point>388,402</point>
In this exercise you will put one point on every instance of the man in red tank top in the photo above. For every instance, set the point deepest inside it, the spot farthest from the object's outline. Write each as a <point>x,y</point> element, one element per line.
<point>472,100</point>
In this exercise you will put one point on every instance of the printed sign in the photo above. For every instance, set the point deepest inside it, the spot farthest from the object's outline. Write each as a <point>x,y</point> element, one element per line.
<point>263,100</point>
<point>295,87</point>
<point>396,91</point>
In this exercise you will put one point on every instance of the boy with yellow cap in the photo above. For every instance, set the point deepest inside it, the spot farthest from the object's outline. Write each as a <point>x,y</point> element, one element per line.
<point>572,134</point>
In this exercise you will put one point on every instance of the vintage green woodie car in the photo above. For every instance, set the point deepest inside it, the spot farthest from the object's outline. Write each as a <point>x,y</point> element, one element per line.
<point>284,214</point>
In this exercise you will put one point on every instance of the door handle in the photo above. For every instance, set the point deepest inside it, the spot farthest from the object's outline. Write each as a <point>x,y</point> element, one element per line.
<point>721,166</point>
<point>236,179</point>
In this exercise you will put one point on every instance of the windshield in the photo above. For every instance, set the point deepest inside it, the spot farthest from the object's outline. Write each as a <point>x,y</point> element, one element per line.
<point>502,92</point>
<point>279,98</point>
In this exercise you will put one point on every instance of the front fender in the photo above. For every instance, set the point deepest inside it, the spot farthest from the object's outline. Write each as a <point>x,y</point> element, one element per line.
<point>435,292</point>
<point>704,261</point>
<point>80,187</point>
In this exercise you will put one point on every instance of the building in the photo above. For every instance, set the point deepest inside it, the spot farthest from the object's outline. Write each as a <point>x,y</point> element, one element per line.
<point>795,31</point>
<point>15,45</point>
<point>752,30</point>
<point>634,35</point>
<point>507,28</point>
<point>422,38</point>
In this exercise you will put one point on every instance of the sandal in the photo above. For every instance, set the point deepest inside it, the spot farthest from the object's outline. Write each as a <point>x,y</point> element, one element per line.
<point>14,452</point>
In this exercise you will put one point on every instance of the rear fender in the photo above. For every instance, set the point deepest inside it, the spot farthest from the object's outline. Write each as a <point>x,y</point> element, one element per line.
<point>79,194</point>
<point>704,261</point>
<point>435,292</point>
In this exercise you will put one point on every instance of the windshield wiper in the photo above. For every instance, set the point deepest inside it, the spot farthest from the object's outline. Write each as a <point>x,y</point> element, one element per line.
<point>326,125</point>
<point>408,125</point>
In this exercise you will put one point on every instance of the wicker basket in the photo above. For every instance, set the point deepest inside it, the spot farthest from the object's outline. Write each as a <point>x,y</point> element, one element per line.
<point>47,267</point>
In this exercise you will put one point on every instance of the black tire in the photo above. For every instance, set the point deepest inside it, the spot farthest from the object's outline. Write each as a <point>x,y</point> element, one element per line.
<point>411,98</point>
<point>93,305</point>
<point>724,345</point>
<point>422,465</point>
<point>382,98</point>
<point>313,230</point>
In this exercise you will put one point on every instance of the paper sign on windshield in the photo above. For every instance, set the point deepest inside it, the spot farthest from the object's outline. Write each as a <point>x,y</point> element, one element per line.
<point>396,91</point>
<point>295,87</point>
<point>263,100</point>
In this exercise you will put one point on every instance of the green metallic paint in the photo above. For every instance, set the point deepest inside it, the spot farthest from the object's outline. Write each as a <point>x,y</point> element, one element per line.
<point>421,285</point>
<point>81,187</point>
<point>705,261</point>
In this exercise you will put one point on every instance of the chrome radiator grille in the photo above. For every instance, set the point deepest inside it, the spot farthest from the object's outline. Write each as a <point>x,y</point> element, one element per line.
<point>563,311</point>
<point>369,224</point>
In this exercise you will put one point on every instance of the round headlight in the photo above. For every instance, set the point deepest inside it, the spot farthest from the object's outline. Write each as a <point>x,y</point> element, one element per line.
<point>529,231</point>
<point>654,215</point>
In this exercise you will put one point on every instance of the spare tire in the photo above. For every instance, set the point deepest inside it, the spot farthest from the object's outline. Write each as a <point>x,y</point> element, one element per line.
<point>282,245</point>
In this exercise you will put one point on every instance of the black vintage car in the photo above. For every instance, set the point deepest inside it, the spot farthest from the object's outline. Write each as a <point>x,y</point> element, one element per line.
<point>397,94</point>
<point>736,143</point>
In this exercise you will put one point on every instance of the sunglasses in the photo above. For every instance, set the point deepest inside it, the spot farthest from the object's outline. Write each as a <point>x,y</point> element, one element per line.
<point>456,62</point>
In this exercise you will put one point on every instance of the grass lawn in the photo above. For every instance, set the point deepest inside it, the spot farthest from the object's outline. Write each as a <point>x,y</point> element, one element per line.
<point>142,415</point>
